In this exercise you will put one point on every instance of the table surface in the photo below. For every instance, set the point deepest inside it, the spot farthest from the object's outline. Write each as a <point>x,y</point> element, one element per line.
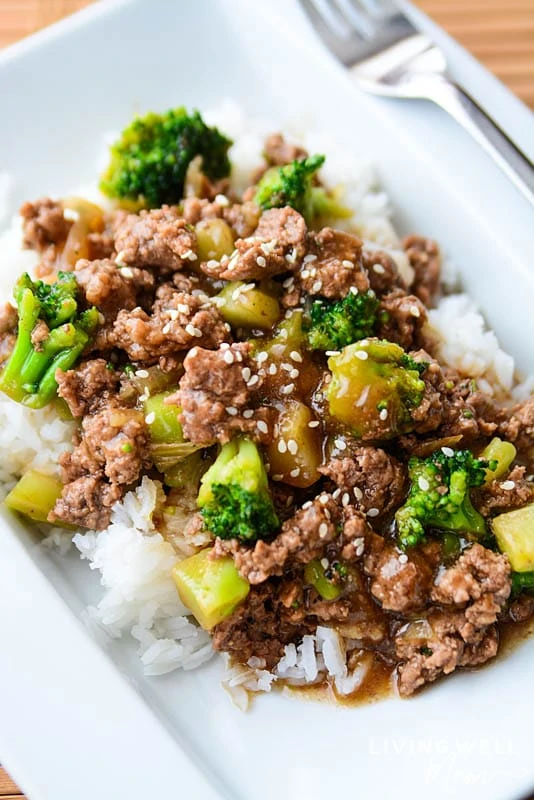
<point>500,33</point>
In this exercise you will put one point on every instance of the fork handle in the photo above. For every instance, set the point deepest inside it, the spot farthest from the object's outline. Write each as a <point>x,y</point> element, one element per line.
<point>466,111</point>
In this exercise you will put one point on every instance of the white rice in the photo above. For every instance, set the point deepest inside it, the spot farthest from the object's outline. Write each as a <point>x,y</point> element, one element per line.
<point>139,598</point>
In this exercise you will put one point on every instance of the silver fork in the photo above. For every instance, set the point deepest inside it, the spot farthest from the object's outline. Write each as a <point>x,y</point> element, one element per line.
<point>387,55</point>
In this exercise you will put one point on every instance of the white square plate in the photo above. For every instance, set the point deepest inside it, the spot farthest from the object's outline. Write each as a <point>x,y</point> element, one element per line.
<point>76,722</point>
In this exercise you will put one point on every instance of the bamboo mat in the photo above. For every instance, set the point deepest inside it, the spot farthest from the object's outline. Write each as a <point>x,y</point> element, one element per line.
<point>500,33</point>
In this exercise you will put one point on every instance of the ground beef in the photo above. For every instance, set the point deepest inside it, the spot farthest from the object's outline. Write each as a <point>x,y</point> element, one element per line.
<point>113,443</point>
<point>195,209</point>
<point>519,429</point>
<point>428,415</point>
<point>243,218</point>
<point>178,321</point>
<point>425,260</point>
<point>88,387</point>
<point>278,152</point>
<point>521,609</point>
<point>505,494</point>
<point>277,245</point>
<point>160,239</point>
<point>478,583</point>
<point>260,627</point>
<point>370,477</point>
<point>301,539</point>
<point>467,411</point>
<point>400,581</point>
<point>86,501</point>
<point>111,288</point>
<point>43,224</point>
<point>382,271</point>
<point>478,573</point>
<point>336,267</point>
<point>436,646</point>
<point>100,245</point>
<point>216,393</point>
<point>402,317</point>
<point>8,330</point>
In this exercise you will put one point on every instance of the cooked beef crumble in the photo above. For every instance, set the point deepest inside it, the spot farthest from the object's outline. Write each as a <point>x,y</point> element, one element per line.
<point>198,356</point>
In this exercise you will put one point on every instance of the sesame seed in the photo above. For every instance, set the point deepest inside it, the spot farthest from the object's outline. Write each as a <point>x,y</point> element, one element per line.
<point>286,366</point>
<point>277,476</point>
<point>231,410</point>
<point>358,494</point>
<point>423,484</point>
<point>262,426</point>
<point>323,530</point>
<point>345,500</point>
<point>403,558</point>
<point>414,311</point>
<point>314,423</point>
<point>362,355</point>
<point>120,258</point>
<point>305,273</point>
<point>295,356</point>
<point>190,329</point>
<point>379,269</point>
<point>71,215</point>
<point>447,451</point>
<point>309,258</point>
<point>222,200</point>
<point>246,373</point>
<point>253,381</point>
<point>228,356</point>
<point>508,485</point>
<point>166,328</point>
<point>353,290</point>
<point>294,373</point>
<point>293,447</point>
<point>141,373</point>
<point>291,257</point>
<point>197,332</point>
<point>149,419</point>
<point>261,262</point>
<point>332,353</point>
<point>336,493</point>
<point>189,255</point>
<point>143,397</point>
<point>340,444</point>
<point>248,413</point>
<point>359,550</point>
<point>306,505</point>
<point>324,563</point>
<point>373,512</point>
<point>212,264</point>
<point>262,356</point>
<point>348,264</point>
<point>126,272</point>
<point>362,399</point>
<point>288,283</point>
<point>273,369</point>
<point>282,446</point>
<point>383,414</point>
<point>283,333</point>
<point>236,293</point>
<point>317,286</point>
<point>238,356</point>
<point>323,499</point>
<point>295,472</point>
<point>287,389</point>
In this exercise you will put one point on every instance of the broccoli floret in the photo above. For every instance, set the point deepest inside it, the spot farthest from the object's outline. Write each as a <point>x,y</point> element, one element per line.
<point>150,159</point>
<point>374,388</point>
<point>333,325</point>
<point>29,375</point>
<point>234,497</point>
<point>439,496</point>
<point>522,582</point>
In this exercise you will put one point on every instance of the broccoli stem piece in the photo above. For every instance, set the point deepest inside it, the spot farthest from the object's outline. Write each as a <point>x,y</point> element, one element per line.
<point>150,160</point>
<point>439,496</point>
<point>315,575</point>
<point>29,375</point>
<point>234,497</point>
<point>34,495</point>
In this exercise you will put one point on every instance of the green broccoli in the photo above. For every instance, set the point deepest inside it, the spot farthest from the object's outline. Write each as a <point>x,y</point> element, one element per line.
<point>522,582</point>
<point>375,386</point>
<point>292,185</point>
<point>439,496</point>
<point>234,497</point>
<point>149,161</point>
<point>335,324</point>
<point>29,375</point>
